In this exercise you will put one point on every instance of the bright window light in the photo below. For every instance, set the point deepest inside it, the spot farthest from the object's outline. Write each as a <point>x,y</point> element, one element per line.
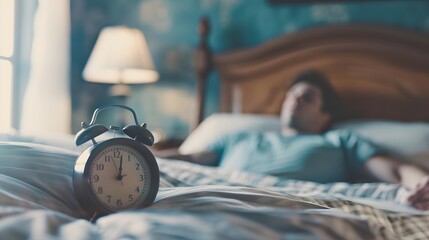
<point>7,15</point>
<point>7,19</point>
<point>5,95</point>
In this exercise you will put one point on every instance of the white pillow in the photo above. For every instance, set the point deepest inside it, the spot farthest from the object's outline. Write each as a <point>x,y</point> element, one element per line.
<point>409,140</point>
<point>220,124</point>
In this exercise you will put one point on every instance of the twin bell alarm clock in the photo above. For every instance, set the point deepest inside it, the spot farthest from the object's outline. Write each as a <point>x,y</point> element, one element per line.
<point>117,174</point>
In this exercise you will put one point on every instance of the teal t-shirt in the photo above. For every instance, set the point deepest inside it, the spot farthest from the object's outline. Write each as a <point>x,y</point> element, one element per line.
<point>331,157</point>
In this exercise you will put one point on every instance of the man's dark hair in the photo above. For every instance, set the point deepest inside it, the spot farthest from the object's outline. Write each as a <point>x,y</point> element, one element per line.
<point>331,102</point>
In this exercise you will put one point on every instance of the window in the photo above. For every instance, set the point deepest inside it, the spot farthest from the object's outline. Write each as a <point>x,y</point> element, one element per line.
<point>7,32</point>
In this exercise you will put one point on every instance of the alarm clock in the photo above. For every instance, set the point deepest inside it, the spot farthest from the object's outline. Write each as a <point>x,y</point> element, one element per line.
<point>116,174</point>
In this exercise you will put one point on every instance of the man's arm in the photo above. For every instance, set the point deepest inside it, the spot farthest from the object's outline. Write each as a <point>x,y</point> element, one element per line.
<point>204,158</point>
<point>412,177</point>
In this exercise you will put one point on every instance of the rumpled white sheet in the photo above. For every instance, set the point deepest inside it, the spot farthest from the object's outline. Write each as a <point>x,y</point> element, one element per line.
<point>37,202</point>
<point>207,212</point>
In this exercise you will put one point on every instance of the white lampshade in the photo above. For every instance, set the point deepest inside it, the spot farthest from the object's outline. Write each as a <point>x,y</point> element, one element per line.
<point>120,56</point>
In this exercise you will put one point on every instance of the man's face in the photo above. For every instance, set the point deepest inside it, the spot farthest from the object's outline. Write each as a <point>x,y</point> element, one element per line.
<point>302,109</point>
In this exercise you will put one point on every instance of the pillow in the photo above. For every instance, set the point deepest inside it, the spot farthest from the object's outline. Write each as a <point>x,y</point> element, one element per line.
<point>221,124</point>
<point>408,140</point>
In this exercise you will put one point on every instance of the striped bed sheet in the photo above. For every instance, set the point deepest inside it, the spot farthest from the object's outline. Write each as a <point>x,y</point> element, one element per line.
<point>400,221</point>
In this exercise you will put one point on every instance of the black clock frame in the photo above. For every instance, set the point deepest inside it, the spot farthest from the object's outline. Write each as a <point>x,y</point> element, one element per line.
<point>81,183</point>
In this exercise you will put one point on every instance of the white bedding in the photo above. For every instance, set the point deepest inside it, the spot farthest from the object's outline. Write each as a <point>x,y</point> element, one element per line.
<point>196,202</point>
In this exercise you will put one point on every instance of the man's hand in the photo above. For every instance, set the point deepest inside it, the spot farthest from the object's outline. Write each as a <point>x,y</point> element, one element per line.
<point>419,198</point>
<point>412,177</point>
<point>204,158</point>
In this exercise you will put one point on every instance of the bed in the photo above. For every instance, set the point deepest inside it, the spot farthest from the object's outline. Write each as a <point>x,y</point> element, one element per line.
<point>375,68</point>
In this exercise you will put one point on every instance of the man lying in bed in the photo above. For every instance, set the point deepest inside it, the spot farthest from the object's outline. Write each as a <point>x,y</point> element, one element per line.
<point>304,150</point>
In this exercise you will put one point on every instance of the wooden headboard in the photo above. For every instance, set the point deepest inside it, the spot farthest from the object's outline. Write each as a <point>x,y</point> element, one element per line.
<point>380,72</point>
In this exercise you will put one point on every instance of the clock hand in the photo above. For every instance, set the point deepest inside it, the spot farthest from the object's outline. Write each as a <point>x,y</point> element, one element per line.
<point>120,176</point>
<point>118,171</point>
<point>113,160</point>
<point>120,167</point>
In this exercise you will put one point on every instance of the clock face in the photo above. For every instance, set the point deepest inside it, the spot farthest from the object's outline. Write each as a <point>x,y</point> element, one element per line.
<point>119,177</point>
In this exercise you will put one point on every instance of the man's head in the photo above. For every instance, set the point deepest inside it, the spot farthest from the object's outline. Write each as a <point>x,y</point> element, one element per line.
<point>310,104</point>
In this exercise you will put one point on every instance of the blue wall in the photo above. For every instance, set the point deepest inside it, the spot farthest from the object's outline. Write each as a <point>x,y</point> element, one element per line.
<point>170,28</point>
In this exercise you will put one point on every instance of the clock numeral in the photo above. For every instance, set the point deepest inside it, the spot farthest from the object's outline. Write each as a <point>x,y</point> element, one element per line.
<point>137,166</point>
<point>141,178</point>
<point>106,158</point>
<point>109,197</point>
<point>130,198</point>
<point>137,189</point>
<point>100,190</point>
<point>119,203</point>
<point>100,167</point>
<point>129,158</point>
<point>96,178</point>
<point>117,154</point>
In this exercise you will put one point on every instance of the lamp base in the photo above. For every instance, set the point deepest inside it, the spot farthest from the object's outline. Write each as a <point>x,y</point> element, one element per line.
<point>120,90</point>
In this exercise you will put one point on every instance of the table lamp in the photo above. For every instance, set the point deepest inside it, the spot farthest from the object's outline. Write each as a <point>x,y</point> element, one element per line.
<point>120,57</point>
